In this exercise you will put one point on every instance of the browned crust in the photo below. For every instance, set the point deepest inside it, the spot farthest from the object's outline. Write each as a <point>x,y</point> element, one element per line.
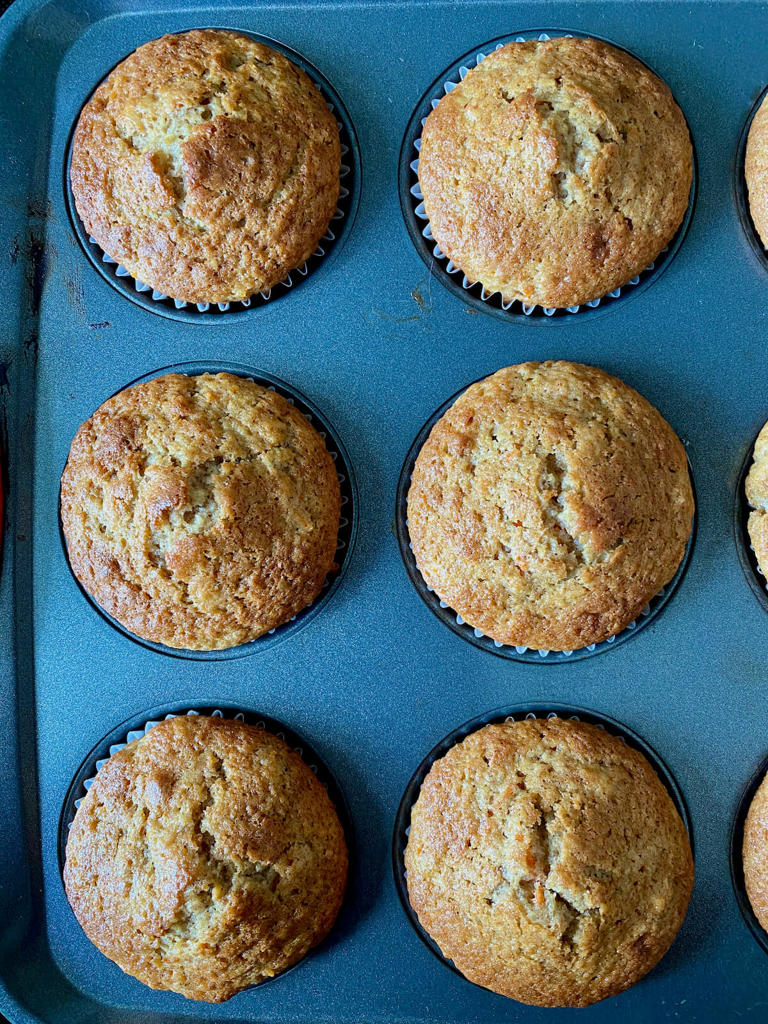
<point>756,489</point>
<point>549,505</point>
<point>207,164</point>
<point>548,861</point>
<point>756,171</point>
<point>555,171</point>
<point>755,854</point>
<point>205,857</point>
<point>200,512</point>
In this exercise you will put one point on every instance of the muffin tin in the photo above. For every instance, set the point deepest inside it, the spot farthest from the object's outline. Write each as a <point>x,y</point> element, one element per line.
<point>376,342</point>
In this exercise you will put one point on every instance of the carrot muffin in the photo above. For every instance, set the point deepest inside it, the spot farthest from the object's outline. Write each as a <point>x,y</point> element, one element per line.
<point>556,171</point>
<point>200,512</point>
<point>755,854</point>
<point>549,504</point>
<point>756,171</point>
<point>756,488</point>
<point>548,861</point>
<point>207,164</point>
<point>205,857</point>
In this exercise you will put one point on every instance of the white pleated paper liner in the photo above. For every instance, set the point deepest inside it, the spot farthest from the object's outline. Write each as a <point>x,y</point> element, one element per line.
<point>449,617</point>
<point>340,225</point>
<point>746,553</point>
<point>138,726</point>
<point>348,522</point>
<point>515,712</point>
<point>740,191</point>
<point>417,222</point>
<point>736,855</point>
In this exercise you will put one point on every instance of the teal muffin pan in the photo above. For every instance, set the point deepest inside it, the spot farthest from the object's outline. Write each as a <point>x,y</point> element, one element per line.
<point>373,341</point>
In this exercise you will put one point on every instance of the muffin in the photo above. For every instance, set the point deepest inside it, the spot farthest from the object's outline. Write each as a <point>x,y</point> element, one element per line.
<point>205,857</point>
<point>548,861</point>
<point>207,164</point>
<point>549,504</point>
<point>555,171</point>
<point>755,854</point>
<point>756,171</point>
<point>756,488</point>
<point>200,512</point>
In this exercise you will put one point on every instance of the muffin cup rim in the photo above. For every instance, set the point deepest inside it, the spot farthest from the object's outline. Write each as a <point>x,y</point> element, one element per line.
<point>735,854</point>
<point>346,533</point>
<point>189,312</point>
<point>448,615</point>
<point>497,716</point>
<point>118,734</point>
<point>561,315</point>
<point>740,190</point>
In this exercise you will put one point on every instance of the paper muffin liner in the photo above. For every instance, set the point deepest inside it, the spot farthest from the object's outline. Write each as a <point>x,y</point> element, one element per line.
<point>341,221</point>
<point>511,713</point>
<point>740,190</point>
<point>141,724</point>
<point>420,230</point>
<point>348,519</point>
<point>736,842</point>
<point>746,553</point>
<point>451,618</point>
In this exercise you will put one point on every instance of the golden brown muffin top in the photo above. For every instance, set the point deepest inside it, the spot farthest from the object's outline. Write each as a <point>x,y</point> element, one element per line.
<point>755,853</point>
<point>205,857</point>
<point>207,164</point>
<point>548,861</point>
<point>200,512</point>
<point>549,504</point>
<point>756,488</point>
<point>756,171</point>
<point>555,171</point>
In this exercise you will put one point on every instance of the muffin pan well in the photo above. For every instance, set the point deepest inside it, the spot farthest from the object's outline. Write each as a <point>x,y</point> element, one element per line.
<point>139,725</point>
<point>417,222</point>
<point>515,712</point>
<point>736,861</point>
<point>456,623</point>
<point>347,522</point>
<point>377,341</point>
<point>332,240</point>
<point>740,191</point>
<point>753,574</point>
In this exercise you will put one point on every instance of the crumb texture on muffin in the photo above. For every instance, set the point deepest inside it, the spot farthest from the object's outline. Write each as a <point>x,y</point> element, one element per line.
<point>756,171</point>
<point>549,504</point>
<point>756,488</point>
<point>755,854</point>
<point>207,164</point>
<point>200,512</point>
<point>555,171</point>
<point>548,861</point>
<point>206,857</point>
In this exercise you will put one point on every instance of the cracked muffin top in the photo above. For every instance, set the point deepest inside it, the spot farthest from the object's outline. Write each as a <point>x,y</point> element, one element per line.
<point>548,861</point>
<point>207,164</point>
<point>756,488</point>
<point>205,857</point>
<point>200,512</point>
<point>555,171</point>
<point>549,504</point>
<point>755,853</point>
<point>756,171</point>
